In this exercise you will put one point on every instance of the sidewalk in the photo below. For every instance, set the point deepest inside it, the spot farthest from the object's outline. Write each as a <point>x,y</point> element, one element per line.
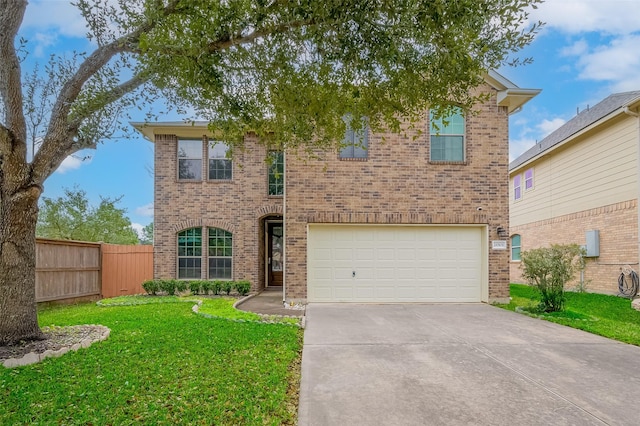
<point>269,302</point>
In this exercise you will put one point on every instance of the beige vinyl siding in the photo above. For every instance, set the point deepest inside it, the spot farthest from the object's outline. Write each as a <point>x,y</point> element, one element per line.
<point>596,169</point>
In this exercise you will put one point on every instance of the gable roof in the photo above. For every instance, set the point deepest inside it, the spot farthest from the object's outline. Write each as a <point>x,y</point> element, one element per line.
<point>612,104</point>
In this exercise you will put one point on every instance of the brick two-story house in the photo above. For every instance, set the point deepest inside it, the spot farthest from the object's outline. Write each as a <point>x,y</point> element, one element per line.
<point>415,217</point>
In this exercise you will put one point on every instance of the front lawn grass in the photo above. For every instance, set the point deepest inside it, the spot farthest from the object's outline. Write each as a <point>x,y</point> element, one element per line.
<point>162,364</point>
<point>608,316</point>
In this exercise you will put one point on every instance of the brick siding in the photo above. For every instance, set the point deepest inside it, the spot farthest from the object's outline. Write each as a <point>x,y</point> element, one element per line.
<point>236,206</point>
<point>618,228</point>
<point>397,184</point>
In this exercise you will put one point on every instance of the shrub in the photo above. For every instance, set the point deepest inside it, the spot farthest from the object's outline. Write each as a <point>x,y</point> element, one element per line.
<point>151,287</point>
<point>226,286</point>
<point>243,287</point>
<point>195,287</point>
<point>205,286</point>
<point>216,286</point>
<point>181,286</point>
<point>549,269</point>
<point>168,286</point>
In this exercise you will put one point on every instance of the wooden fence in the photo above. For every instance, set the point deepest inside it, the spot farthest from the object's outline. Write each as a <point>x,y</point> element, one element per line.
<point>74,269</point>
<point>124,268</point>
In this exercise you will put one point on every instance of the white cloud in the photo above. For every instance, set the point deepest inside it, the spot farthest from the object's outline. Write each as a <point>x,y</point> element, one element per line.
<point>548,126</point>
<point>146,210</point>
<point>60,17</point>
<point>580,16</point>
<point>72,162</point>
<point>615,62</point>
<point>576,49</point>
<point>138,228</point>
<point>519,146</point>
<point>531,135</point>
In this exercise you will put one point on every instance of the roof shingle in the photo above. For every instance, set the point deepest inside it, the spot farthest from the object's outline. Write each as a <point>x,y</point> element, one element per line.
<point>577,123</point>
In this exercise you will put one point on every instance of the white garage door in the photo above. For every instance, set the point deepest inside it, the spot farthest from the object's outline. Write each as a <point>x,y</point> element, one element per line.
<point>381,263</point>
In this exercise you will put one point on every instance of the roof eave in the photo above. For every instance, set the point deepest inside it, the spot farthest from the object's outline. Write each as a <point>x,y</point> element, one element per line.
<point>185,128</point>
<point>515,98</point>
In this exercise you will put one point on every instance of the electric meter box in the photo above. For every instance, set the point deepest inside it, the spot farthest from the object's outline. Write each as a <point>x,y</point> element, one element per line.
<point>593,243</point>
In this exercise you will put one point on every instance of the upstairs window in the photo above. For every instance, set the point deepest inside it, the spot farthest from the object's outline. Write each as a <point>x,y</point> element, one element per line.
<point>190,159</point>
<point>355,143</point>
<point>515,247</point>
<point>528,179</point>
<point>190,253</point>
<point>220,253</point>
<point>220,166</point>
<point>447,137</point>
<point>517,189</point>
<point>276,173</point>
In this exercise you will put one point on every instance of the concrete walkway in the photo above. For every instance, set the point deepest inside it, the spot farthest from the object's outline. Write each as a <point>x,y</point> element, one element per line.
<point>469,364</point>
<point>268,302</point>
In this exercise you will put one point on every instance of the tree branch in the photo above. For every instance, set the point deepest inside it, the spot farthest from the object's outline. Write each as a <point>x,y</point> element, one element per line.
<point>250,38</point>
<point>11,15</point>
<point>58,142</point>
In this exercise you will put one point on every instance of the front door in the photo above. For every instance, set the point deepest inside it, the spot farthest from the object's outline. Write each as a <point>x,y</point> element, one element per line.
<point>275,258</point>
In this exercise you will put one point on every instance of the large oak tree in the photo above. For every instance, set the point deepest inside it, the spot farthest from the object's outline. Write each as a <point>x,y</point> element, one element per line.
<point>287,70</point>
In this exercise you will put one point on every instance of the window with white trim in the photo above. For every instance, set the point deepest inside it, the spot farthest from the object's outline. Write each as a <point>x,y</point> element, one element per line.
<point>189,159</point>
<point>447,137</point>
<point>355,143</point>
<point>517,188</point>
<point>220,254</point>
<point>528,179</point>
<point>190,253</point>
<point>276,173</point>
<point>220,166</point>
<point>515,247</point>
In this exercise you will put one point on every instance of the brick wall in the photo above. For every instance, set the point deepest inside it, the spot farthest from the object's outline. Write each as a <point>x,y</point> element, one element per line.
<point>618,228</point>
<point>236,206</point>
<point>398,184</point>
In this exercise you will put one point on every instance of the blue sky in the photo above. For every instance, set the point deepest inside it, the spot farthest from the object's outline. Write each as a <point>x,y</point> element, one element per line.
<point>587,50</point>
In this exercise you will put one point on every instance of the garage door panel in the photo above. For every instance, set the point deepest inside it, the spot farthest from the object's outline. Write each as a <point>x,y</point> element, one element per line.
<point>382,273</point>
<point>384,254</point>
<point>395,263</point>
<point>364,254</point>
<point>406,253</point>
<point>405,274</point>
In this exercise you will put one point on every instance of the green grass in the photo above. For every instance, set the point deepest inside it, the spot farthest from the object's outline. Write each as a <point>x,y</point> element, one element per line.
<point>217,307</point>
<point>608,316</point>
<point>162,364</point>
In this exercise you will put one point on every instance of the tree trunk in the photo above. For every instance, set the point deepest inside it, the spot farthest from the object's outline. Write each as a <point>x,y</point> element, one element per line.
<point>18,308</point>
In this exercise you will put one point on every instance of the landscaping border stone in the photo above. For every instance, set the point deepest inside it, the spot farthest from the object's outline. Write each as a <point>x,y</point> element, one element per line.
<point>34,357</point>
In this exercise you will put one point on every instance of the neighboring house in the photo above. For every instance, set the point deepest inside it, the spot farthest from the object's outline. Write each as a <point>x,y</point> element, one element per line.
<point>581,178</point>
<point>389,218</point>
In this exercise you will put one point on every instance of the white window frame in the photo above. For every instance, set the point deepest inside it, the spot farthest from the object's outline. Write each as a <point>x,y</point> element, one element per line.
<point>438,129</point>
<point>186,158</point>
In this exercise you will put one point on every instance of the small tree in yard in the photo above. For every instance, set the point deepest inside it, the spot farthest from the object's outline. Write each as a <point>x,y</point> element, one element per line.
<point>549,269</point>
<point>287,71</point>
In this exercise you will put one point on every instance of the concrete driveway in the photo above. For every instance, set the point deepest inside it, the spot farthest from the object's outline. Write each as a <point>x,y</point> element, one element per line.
<point>467,364</point>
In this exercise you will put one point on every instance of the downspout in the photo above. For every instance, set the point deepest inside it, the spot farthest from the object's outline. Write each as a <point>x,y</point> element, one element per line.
<point>627,111</point>
<point>284,226</point>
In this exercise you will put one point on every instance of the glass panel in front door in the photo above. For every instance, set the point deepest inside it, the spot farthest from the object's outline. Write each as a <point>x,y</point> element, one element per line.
<point>276,249</point>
